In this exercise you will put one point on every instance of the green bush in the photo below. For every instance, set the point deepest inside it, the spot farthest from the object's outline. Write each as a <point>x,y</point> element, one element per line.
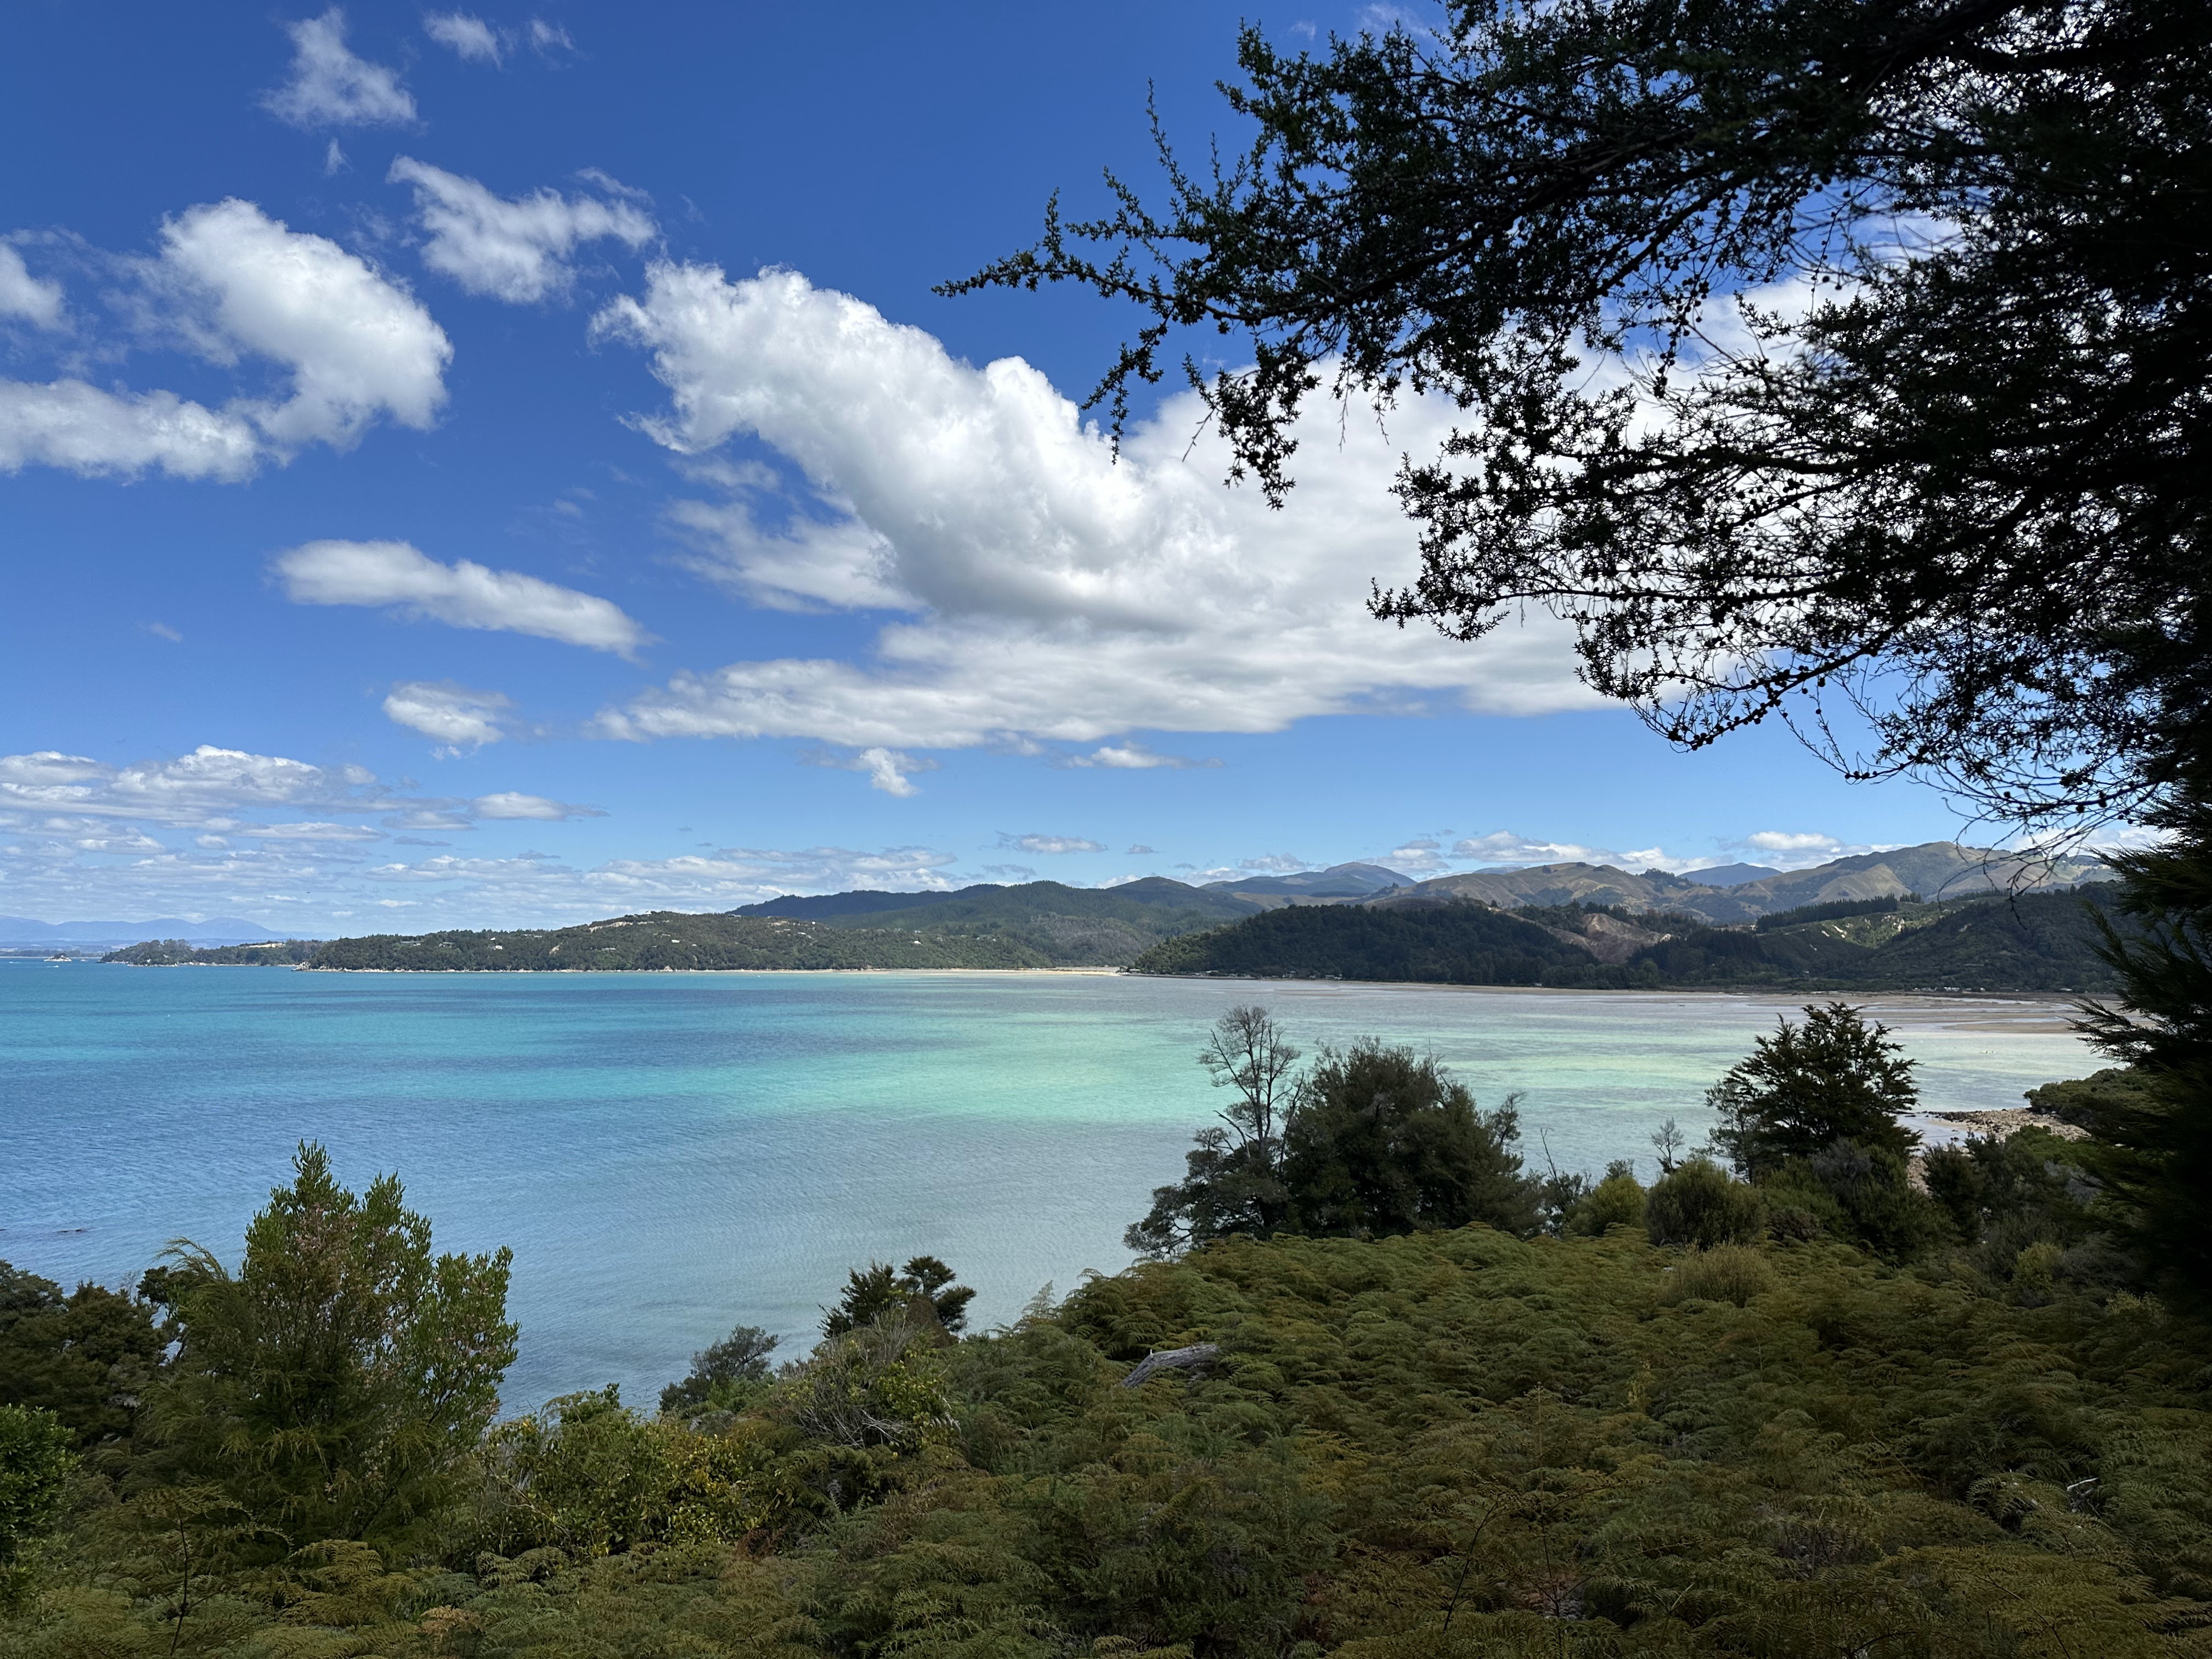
<point>1616,1201</point>
<point>1726,1273</point>
<point>1701,1205</point>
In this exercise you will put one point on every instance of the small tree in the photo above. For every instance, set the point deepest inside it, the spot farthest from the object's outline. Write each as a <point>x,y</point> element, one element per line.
<point>878,1289</point>
<point>1232,1182</point>
<point>1702,1206</point>
<point>722,1374</point>
<point>1834,1078</point>
<point>1248,1052</point>
<point>335,1382</point>
<point>1381,1140</point>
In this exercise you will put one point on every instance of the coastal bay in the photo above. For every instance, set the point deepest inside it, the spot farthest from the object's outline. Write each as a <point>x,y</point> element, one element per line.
<point>672,1153</point>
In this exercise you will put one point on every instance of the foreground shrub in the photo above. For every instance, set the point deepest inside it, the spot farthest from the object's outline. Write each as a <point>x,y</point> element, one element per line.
<point>1727,1273</point>
<point>1701,1205</point>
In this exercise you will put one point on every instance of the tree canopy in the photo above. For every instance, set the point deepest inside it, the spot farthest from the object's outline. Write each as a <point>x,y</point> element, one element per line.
<point>1817,358</point>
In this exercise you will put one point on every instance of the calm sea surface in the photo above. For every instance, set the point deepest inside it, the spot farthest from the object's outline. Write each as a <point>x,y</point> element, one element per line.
<point>670,1155</point>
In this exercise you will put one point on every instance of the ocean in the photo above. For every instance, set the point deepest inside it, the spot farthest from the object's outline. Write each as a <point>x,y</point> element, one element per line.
<point>670,1155</point>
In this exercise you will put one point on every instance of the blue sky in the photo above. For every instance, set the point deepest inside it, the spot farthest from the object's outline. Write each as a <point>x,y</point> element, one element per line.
<point>492,467</point>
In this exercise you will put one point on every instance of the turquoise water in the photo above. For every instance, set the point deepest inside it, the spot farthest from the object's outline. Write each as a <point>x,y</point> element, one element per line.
<point>670,1155</point>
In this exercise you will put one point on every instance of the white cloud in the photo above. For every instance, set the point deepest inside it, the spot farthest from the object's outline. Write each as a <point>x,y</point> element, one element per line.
<point>1054,844</point>
<point>314,831</point>
<point>1505,846</point>
<point>1779,841</point>
<point>1137,851</point>
<point>511,249</point>
<point>464,594</point>
<point>455,716</point>
<point>546,36</point>
<point>888,770</point>
<point>231,283</point>
<point>24,295</point>
<point>537,808</point>
<point>162,630</point>
<point>193,789</point>
<point>1059,596</point>
<point>468,38</point>
<point>357,345</point>
<point>1133,756</point>
<point>83,429</point>
<point>330,87</point>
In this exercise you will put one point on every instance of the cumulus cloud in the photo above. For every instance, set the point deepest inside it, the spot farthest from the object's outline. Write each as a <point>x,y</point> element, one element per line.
<point>329,86</point>
<point>1053,594</point>
<point>1139,851</point>
<point>1050,844</point>
<point>80,429</point>
<point>464,594</point>
<point>514,249</point>
<point>21,294</point>
<point>455,716</point>
<point>231,283</point>
<point>468,38</point>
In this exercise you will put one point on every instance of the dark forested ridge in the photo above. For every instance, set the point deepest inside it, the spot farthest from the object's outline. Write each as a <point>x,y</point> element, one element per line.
<point>2036,942</point>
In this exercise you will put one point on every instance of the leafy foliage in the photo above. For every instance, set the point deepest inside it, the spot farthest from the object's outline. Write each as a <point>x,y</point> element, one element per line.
<point>1369,1141</point>
<point>87,1358</point>
<point>334,1383</point>
<point>1949,482</point>
<point>876,1289</point>
<point>35,1460</point>
<point>2156,1138</point>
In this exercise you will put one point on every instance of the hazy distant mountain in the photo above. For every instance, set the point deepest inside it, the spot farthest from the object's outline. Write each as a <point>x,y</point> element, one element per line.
<point>1732,875</point>
<point>1339,881</point>
<point>1934,869</point>
<point>216,930</point>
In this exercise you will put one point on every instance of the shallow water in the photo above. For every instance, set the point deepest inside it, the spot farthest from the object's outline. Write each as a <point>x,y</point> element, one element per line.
<point>672,1154</point>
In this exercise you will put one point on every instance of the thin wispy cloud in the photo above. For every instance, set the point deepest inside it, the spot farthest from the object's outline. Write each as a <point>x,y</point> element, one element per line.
<point>515,248</point>
<point>329,86</point>
<point>399,577</point>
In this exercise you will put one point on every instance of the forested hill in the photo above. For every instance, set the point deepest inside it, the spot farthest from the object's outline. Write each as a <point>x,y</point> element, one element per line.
<point>670,939</point>
<point>1037,925</point>
<point>2037,942</point>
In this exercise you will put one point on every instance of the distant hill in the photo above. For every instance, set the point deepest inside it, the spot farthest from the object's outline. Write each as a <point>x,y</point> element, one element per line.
<point>1339,881</point>
<point>2036,942</point>
<point>216,930</point>
<point>181,953</point>
<point>670,939</point>
<point>1731,875</point>
<point>1037,924</point>
<point>1934,869</point>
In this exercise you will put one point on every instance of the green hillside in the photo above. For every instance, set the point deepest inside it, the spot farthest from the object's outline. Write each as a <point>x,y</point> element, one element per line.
<point>2037,942</point>
<point>670,939</point>
<point>177,952</point>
